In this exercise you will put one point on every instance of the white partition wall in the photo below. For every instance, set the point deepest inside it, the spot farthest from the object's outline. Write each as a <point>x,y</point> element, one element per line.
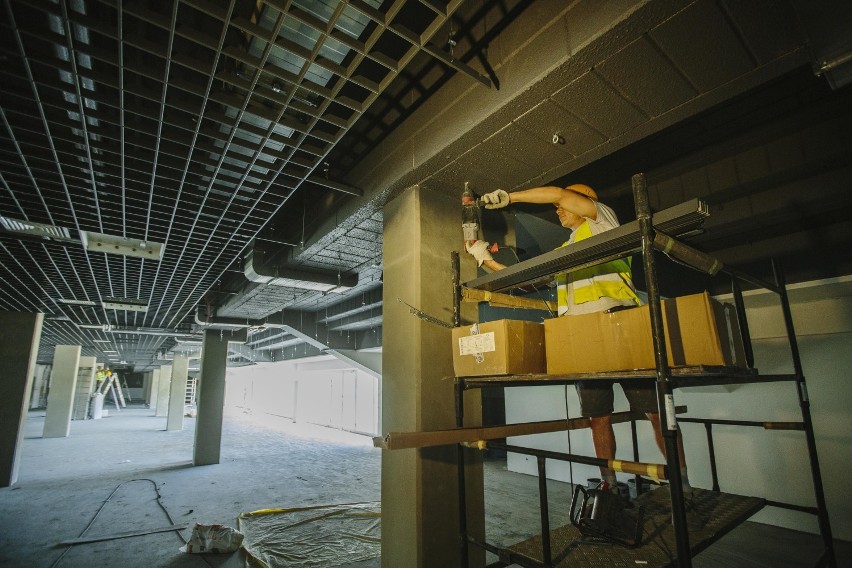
<point>60,401</point>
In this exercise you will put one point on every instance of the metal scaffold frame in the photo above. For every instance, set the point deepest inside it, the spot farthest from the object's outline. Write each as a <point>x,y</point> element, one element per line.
<point>650,233</point>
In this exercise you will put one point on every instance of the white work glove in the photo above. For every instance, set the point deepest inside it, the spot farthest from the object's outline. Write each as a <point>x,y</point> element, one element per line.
<point>479,251</point>
<point>496,199</point>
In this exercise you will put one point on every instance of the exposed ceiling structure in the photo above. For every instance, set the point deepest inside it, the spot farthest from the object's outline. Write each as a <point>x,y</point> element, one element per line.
<point>168,167</point>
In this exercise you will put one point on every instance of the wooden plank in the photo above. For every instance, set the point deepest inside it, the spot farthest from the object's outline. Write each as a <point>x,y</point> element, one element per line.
<point>405,440</point>
<point>505,300</point>
<point>85,539</point>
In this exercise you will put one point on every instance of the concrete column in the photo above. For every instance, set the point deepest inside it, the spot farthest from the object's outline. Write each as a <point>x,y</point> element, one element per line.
<point>419,488</point>
<point>177,394</point>
<point>211,394</point>
<point>164,386</point>
<point>60,400</point>
<point>155,389</point>
<point>85,387</point>
<point>146,388</point>
<point>20,334</point>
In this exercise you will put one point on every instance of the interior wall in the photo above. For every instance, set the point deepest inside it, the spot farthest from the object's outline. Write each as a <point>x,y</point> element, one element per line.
<point>751,461</point>
<point>317,391</point>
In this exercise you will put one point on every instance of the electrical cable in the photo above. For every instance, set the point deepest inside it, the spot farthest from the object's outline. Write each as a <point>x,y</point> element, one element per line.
<point>104,504</point>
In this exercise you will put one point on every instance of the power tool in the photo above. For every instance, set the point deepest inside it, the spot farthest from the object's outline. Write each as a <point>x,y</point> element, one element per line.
<point>470,215</point>
<point>472,218</point>
<point>601,517</point>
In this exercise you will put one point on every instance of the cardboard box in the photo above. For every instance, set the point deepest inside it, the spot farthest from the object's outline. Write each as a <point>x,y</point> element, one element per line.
<point>502,347</point>
<point>699,331</point>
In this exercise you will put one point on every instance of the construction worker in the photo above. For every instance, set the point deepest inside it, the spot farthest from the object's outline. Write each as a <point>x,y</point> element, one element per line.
<point>101,377</point>
<point>594,289</point>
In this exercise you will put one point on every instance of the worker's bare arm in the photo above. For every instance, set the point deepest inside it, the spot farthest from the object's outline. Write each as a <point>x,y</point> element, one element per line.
<point>564,198</point>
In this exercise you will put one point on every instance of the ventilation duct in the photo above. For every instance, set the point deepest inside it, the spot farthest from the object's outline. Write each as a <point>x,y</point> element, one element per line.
<point>320,281</point>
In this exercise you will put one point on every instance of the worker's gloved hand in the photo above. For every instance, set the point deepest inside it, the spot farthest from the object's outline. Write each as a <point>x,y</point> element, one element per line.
<point>496,199</point>
<point>479,250</point>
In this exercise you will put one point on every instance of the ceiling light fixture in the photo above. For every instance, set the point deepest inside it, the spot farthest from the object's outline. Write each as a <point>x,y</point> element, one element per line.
<point>72,302</point>
<point>30,229</point>
<point>127,304</point>
<point>111,244</point>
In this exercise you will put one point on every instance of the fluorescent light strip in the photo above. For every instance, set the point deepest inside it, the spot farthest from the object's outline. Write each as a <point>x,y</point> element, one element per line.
<point>73,302</point>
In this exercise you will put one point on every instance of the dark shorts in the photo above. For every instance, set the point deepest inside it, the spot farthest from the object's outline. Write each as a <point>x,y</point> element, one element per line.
<point>596,397</point>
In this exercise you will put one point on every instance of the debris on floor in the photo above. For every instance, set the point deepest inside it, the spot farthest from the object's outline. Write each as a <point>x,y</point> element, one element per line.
<point>216,539</point>
<point>324,535</point>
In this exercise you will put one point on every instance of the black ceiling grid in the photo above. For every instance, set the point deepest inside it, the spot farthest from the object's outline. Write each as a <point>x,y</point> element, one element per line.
<point>190,124</point>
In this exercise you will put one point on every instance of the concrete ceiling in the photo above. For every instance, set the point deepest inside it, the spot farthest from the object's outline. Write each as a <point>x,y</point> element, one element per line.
<point>711,98</point>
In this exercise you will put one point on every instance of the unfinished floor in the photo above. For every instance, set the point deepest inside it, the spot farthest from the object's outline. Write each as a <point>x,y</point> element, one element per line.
<point>266,462</point>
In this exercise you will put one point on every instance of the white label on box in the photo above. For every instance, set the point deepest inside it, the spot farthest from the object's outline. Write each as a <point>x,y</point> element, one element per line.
<point>473,344</point>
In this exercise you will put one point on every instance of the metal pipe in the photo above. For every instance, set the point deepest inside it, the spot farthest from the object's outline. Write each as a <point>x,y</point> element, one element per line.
<point>665,400</point>
<point>458,390</point>
<point>743,321</point>
<point>456,289</point>
<point>545,512</point>
<point>708,427</point>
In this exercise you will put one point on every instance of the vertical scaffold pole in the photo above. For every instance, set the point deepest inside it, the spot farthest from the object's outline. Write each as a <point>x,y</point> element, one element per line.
<point>665,400</point>
<point>805,406</point>
<point>459,404</point>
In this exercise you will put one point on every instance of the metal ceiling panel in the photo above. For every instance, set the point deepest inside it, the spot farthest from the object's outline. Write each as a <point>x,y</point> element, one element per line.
<point>554,116</point>
<point>599,105</point>
<point>707,59</point>
<point>192,130</point>
<point>646,78</point>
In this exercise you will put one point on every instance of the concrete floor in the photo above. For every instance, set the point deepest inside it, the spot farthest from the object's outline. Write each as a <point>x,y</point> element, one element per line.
<point>113,465</point>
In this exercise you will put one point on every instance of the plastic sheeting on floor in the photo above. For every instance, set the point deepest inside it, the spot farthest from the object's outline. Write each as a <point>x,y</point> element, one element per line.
<point>324,535</point>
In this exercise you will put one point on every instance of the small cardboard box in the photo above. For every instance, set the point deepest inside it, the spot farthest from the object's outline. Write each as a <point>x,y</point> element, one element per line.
<point>502,347</point>
<point>699,331</point>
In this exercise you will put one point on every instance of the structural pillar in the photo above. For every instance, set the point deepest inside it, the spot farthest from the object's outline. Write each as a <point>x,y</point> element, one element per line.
<point>20,334</point>
<point>177,393</point>
<point>146,388</point>
<point>85,386</point>
<point>60,400</point>
<point>211,394</point>
<point>155,389</point>
<point>420,518</point>
<point>164,386</point>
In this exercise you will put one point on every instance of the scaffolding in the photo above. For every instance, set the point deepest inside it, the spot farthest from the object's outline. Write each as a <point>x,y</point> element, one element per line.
<point>647,235</point>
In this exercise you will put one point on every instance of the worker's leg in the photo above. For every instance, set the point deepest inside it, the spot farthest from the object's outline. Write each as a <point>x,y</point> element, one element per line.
<point>596,404</point>
<point>603,438</point>
<point>654,418</point>
<point>643,398</point>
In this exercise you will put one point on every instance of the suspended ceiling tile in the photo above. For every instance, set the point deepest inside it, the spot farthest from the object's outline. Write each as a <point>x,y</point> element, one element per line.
<point>707,59</point>
<point>551,117</point>
<point>599,105</point>
<point>767,27</point>
<point>646,78</point>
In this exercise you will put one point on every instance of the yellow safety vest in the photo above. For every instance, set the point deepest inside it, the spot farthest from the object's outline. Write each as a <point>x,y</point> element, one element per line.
<point>608,280</point>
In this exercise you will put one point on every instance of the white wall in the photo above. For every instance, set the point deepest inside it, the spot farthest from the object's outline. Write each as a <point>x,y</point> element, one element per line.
<point>751,461</point>
<point>317,390</point>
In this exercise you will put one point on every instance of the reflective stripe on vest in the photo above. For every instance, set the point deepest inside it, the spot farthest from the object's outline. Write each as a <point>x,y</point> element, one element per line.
<point>608,280</point>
